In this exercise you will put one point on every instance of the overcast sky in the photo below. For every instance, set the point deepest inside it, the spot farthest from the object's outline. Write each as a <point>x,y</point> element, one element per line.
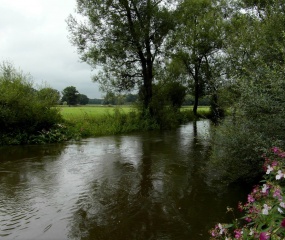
<point>34,38</point>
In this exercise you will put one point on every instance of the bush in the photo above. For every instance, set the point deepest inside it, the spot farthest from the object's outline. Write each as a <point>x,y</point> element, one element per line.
<point>23,112</point>
<point>264,211</point>
<point>256,122</point>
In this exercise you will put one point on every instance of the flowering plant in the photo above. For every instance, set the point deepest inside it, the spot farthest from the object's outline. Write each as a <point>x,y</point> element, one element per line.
<point>265,207</point>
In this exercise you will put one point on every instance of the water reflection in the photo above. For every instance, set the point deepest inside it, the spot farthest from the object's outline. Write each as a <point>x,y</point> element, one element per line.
<point>139,186</point>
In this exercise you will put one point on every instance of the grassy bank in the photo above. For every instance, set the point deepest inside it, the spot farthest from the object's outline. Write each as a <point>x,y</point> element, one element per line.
<point>90,121</point>
<point>91,111</point>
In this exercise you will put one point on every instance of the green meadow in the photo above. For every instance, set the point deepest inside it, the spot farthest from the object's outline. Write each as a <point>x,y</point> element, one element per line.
<point>92,111</point>
<point>95,120</point>
<point>97,111</point>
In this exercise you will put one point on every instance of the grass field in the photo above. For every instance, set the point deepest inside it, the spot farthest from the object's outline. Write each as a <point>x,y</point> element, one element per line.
<point>91,111</point>
<point>70,113</point>
<point>96,120</point>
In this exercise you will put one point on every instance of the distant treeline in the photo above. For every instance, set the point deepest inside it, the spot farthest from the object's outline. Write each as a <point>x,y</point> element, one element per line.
<point>112,99</point>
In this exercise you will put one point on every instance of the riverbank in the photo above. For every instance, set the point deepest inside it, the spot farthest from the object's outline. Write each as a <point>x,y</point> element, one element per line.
<point>92,121</point>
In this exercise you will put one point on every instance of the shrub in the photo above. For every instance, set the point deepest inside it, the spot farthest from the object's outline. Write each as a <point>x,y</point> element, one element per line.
<point>265,208</point>
<point>23,112</point>
<point>256,122</point>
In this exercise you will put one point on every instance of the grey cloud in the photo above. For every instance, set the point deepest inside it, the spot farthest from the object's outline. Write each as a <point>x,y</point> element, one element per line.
<point>38,44</point>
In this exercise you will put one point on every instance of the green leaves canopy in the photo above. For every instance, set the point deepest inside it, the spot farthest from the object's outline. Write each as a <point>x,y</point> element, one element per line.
<point>123,38</point>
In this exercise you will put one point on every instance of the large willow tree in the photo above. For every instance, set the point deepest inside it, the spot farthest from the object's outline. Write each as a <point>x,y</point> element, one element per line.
<point>123,39</point>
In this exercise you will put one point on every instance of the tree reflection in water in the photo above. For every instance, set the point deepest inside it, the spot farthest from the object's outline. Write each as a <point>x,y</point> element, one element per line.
<point>138,186</point>
<point>131,207</point>
<point>162,196</point>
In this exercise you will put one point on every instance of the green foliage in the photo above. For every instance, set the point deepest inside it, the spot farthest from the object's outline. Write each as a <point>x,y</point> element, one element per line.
<point>95,101</point>
<point>23,110</point>
<point>83,99</point>
<point>124,38</point>
<point>256,90</point>
<point>166,103</point>
<point>70,95</point>
<point>131,98</point>
<point>175,93</point>
<point>48,94</point>
<point>110,98</point>
<point>194,45</point>
<point>257,122</point>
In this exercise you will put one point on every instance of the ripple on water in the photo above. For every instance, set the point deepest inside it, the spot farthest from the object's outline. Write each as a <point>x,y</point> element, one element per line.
<point>16,218</point>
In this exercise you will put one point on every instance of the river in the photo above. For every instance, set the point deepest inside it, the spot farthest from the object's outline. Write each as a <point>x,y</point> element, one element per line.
<point>136,186</point>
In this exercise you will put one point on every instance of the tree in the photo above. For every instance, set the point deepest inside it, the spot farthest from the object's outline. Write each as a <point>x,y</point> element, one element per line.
<point>49,94</point>
<point>196,44</point>
<point>255,50</point>
<point>70,95</point>
<point>95,101</point>
<point>175,93</point>
<point>110,98</point>
<point>124,38</point>
<point>83,99</point>
<point>131,98</point>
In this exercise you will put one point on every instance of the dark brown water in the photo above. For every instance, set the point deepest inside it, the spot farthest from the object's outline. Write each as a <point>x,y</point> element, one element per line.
<point>139,186</point>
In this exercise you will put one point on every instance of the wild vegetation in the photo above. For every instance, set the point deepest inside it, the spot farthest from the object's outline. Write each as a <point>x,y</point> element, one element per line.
<point>255,91</point>
<point>27,115</point>
<point>264,210</point>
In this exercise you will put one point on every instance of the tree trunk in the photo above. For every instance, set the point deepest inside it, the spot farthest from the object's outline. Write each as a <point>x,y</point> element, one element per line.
<point>196,99</point>
<point>196,87</point>
<point>216,112</point>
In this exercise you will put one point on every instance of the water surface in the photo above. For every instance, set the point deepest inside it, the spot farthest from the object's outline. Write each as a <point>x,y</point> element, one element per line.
<point>137,186</point>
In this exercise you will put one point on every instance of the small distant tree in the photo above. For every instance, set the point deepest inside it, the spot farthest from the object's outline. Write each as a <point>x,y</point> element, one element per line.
<point>70,95</point>
<point>110,98</point>
<point>131,98</point>
<point>83,99</point>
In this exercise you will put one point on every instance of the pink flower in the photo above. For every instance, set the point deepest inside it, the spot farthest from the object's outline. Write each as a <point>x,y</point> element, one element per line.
<point>274,163</point>
<point>238,233</point>
<point>282,155</point>
<point>283,223</point>
<point>213,233</point>
<point>276,150</point>
<point>277,194</point>
<point>264,236</point>
<point>240,206</point>
<point>250,198</point>
<point>253,210</point>
<point>248,219</point>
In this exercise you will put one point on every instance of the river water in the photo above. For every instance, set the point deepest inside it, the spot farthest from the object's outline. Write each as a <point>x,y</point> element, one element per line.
<point>137,186</point>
